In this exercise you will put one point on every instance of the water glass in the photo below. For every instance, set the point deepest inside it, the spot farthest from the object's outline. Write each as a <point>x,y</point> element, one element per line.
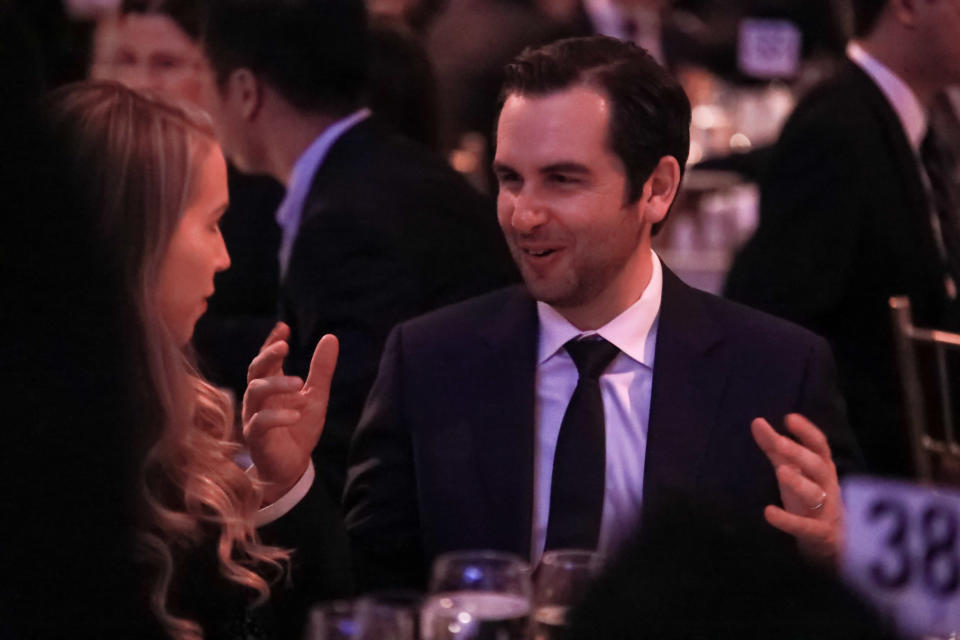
<point>478,595</point>
<point>562,580</point>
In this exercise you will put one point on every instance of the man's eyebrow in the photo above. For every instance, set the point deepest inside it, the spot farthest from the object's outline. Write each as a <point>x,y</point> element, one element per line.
<point>499,167</point>
<point>565,167</point>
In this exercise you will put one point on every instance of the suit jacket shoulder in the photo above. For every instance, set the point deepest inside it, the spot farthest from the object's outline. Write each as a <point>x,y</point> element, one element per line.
<point>719,365</point>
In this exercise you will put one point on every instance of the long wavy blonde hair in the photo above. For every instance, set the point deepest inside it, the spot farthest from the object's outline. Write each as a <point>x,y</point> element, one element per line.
<point>134,158</point>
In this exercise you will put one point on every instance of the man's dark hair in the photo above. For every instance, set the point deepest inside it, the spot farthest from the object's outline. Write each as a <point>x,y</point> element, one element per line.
<point>186,14</point>
<point>312,52</point>
<point>866,14</point>
<point>651,113</point>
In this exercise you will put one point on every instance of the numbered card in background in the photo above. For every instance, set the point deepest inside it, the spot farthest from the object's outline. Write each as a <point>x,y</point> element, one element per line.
<point>903,552</point>
<point>769,49</point>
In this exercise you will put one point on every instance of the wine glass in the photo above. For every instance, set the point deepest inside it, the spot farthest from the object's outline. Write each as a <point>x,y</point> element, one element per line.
<point>477,595</point>
<point>331,621</point>
<point>388,615</point>
<point>562,579</point>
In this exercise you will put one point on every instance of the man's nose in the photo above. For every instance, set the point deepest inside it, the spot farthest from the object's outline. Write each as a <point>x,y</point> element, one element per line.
<point>529,212</point>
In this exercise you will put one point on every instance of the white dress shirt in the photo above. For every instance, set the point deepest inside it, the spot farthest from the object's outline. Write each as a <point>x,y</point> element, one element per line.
<point>290,211</point>
<point>625,389</point>
<point>287,501</point>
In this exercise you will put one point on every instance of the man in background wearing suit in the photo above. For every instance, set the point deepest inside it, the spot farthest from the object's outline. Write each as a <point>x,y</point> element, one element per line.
<point>375,229</point>
<point>559,413</point>
<point>855,209</point>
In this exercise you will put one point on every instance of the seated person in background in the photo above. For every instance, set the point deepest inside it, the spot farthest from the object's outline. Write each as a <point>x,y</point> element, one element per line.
<point>376,229</point>
<point>154,45</point>
<point>856,207</point>
<point>155,177</point>
<point>555,415</point>
<point>718,579</point>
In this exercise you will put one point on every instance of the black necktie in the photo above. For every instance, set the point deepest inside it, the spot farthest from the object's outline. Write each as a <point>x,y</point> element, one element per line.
<point>944,206</point>
<point>579,465</point>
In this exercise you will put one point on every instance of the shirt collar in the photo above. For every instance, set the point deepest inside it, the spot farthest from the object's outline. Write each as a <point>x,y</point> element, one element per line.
<point>309,161</point>
<point>628,331</point>
<point>901,97</point>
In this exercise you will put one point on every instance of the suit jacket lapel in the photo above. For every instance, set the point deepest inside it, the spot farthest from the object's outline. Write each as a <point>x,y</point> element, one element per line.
<point>688,383</point>
<point>504,435</point>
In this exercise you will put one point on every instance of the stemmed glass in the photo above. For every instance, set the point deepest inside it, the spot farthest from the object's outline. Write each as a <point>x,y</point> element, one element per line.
<point>389,615</point>
<point>562,580</point>
<point>476,595</point>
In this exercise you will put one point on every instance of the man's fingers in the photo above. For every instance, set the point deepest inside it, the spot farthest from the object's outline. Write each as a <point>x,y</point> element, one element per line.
<point>269,362</point>
<point>322,364</point>
<point>808,434</point>
<point>782,450</point>
<point>267,419</point>
<point>766,439</point>
<point>806,530</point>
<point>807,494</point>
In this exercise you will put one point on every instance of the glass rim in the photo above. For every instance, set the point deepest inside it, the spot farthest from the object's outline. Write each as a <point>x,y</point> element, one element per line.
<point>567,558</point>
<point>398,598</point>
<point>482,555</point>
<point>341,605</point>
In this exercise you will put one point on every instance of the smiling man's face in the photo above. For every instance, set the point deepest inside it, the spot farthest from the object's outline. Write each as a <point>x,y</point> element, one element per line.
<point>562,202</point>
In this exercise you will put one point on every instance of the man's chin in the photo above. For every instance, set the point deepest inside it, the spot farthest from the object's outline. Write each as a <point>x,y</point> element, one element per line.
<point>551,294</point>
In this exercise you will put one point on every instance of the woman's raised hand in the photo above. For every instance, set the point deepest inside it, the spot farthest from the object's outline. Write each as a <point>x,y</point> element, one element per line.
<point>283,416</point>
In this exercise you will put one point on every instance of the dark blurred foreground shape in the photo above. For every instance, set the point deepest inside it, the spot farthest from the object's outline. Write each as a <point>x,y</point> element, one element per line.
<point>70,389</point>
<point>696,572</point>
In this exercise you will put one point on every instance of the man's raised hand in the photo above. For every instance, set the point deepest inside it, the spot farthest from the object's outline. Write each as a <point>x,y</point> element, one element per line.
<point>809,489</point>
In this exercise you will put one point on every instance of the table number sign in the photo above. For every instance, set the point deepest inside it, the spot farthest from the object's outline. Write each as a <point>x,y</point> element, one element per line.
<point>769,48</point>
<point>902,552</point>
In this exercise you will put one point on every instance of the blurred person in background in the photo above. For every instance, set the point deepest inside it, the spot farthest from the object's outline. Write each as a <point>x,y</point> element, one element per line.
<point>854,210</point>
<point>401,83</point>
<point>375,228</point>
<point>217,542</point>
<point>154,45</point>
<point>470,42</point>
<point>151,45</point>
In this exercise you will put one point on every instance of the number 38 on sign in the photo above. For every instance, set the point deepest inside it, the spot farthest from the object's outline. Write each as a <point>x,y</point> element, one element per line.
<point>902,552</point>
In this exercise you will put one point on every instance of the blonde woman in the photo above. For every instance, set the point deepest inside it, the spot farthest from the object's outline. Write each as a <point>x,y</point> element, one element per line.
<point>219,541</point>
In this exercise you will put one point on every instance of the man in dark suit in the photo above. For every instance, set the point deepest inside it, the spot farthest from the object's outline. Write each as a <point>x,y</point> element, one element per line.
<point>849,215</point>
<point>534,417</point>
<point>375,228</point>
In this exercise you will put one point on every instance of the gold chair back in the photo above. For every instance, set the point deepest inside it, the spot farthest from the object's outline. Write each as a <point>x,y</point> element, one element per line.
<point>924,405</point>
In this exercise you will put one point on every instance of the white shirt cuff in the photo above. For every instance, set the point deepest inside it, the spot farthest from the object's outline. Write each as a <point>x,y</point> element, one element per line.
<point>287,501</point>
